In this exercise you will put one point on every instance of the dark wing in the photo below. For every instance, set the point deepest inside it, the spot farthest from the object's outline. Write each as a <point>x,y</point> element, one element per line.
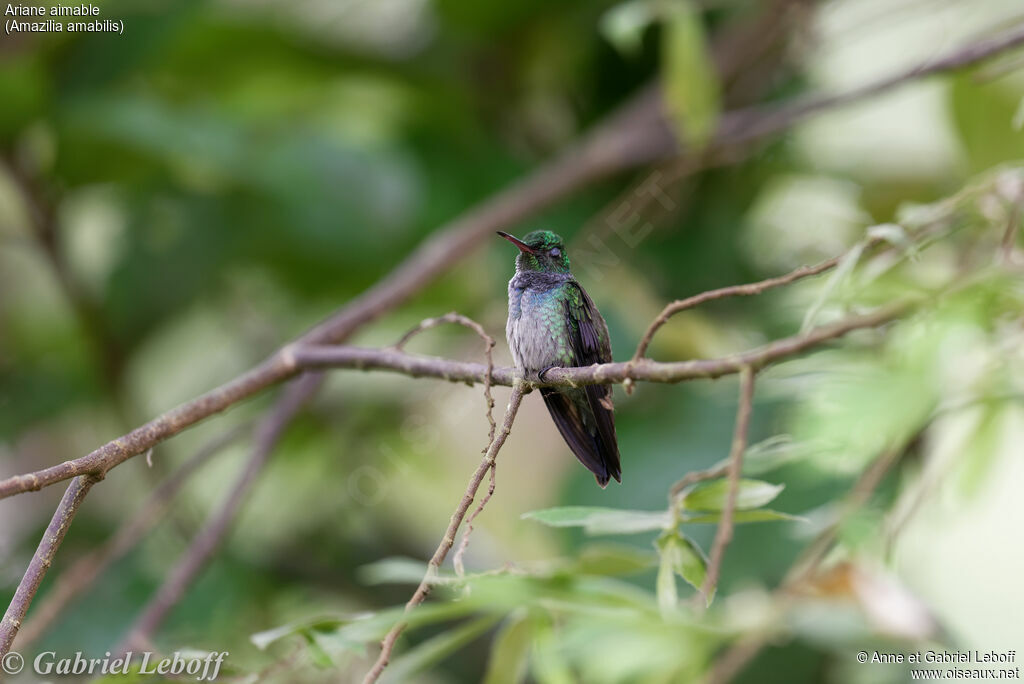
<point>584,416</point>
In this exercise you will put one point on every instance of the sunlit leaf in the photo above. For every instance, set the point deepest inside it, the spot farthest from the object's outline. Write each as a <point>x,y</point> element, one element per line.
<point>712,496</point>
<point>317,653</point>
<point>599,520</point>
<point>262,640</point>
<point>690,81</point>
<point>679,556</point>
<point>983,116</point>
<point>665,585</point>
<point>753,516</point>
<point>398,571</point>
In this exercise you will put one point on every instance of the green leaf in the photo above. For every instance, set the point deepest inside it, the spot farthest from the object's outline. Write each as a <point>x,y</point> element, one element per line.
<point>691,84</point>
<point>262,640</point>
<point>623,25</point>
<point>510,652</point>
<point>984,116</point>
<point>612,560</point>
<point>754,516</point>
<point>679,556</point>
<point>24,85</point>
<point>665,585</point>
<point>437,648</point>
<point>711,496</point>
<point>598,520</point>
<point>548,665</point>
<point>398,571</point>
<point>351,633</point>
<point>317,653</point>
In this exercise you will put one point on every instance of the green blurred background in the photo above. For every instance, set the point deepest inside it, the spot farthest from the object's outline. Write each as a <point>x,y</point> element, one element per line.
<point>225,174</point>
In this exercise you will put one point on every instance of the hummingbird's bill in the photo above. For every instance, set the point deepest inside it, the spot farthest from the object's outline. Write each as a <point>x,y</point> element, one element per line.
<point>523,247</point>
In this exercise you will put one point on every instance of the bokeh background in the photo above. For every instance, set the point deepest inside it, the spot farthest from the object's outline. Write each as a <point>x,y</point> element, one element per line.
<point>226,173</point>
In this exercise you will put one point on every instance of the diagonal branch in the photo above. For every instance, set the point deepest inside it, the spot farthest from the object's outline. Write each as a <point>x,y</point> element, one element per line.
<point>388,645</point>
<point>43,558</point>
<point>205,543</point>
<point>758,122</point>
<point>467,322</point>
<point>77,579</point>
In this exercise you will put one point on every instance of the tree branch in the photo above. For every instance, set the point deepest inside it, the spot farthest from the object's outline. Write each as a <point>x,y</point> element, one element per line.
<point>274,370</point>
<point>388,645</point>
<point>723,535</point>
<point>43,558</point>
<point>202,547</point>
<point>695,476</point>
<point>77,579</point>
<point>464,321</point>
<point>362,358</point>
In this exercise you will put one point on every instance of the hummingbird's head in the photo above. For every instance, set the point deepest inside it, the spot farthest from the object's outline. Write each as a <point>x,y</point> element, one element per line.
<point>541,251</point>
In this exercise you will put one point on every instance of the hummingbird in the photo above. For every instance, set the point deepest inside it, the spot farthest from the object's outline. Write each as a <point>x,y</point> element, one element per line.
<point>552,322</point>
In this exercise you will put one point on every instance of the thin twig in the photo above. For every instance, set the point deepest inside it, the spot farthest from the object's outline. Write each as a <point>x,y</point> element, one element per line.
<point>388,644</point>
<point>467,322</point>
<point>77,579</point>
<point>205,543</point>
<point>694,476</point>
<point>723,535</point>
<point>738,656</point>
<point>460,568</point>
<point>43,558</point>
<point>745,290</point>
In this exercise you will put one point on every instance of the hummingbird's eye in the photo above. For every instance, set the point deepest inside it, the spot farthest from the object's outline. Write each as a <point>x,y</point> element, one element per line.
<point>555,252</point>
